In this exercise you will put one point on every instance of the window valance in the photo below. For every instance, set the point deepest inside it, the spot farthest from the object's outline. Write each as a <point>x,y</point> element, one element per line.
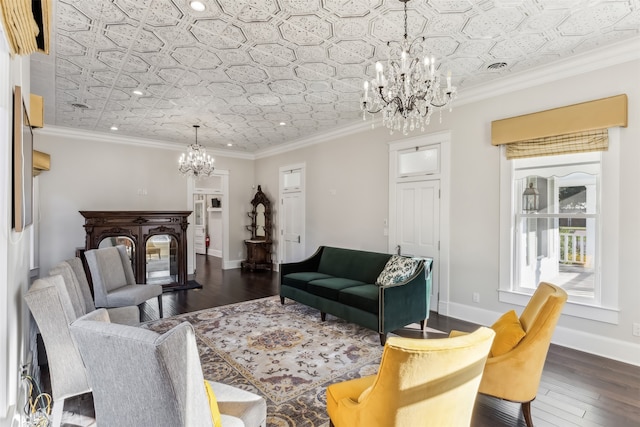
<point>585,117</point>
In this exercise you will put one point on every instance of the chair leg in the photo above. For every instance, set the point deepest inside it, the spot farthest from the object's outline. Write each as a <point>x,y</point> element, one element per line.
<point>383,339</point>
<point>423,324</point>
<point>282,300</point>
<point>140,310</point>
<point>323,316</point>
<point>526,411</point>
<point>331,423</point>
<point>160,305</point>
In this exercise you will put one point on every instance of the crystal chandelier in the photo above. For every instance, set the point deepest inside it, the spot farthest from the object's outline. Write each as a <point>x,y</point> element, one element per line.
<point>197,163</point>
<point>409,90</point>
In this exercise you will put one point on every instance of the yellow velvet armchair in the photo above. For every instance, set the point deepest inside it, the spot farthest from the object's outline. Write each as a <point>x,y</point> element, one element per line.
<point>515,375</point>
<point>425,382</point>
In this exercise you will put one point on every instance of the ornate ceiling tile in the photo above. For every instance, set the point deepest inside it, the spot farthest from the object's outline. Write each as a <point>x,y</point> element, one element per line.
<point>272,55</point>
<point>250,10</point>
<point>350,9</point>
<point>306,30</point>
<point>450,6</point>
<point>68,46</point>
<point>225,90</point>
<point>297,61</point>
<point>287,87</point>
<point>351,52</point>
<point>493,23</point>
<point>69,18</point>
<point>314,71</point>
<point>246,74</point>
<point>260,32</point>
<point>593,18</point>
<point>234,57</point>
<point>219,34</point>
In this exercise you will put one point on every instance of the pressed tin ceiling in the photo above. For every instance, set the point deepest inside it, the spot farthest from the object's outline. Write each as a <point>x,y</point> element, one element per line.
<point>241,68</point>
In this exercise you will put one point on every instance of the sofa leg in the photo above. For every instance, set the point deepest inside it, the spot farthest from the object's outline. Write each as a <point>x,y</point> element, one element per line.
<point>282,300</point>
<point>323,316</point>
<point>423,325</point>
<point>383,339</point>
<point>526,411</point>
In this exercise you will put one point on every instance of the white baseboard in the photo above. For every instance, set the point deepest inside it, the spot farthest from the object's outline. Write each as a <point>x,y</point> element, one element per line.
<point>228,265</point>
<point>599,345</point>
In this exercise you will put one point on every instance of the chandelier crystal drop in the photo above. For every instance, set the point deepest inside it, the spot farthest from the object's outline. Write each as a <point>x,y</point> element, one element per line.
<point>410,89</point>
<point>197,163</point>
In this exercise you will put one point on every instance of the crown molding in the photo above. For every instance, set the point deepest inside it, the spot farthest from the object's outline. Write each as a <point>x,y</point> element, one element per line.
<point>607,56</point>
<point>596,59</point>
<point>317,138</point>
<point>65,132</point>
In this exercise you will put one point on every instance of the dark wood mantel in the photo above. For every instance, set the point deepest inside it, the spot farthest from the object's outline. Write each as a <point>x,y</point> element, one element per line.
<point>139,226</point>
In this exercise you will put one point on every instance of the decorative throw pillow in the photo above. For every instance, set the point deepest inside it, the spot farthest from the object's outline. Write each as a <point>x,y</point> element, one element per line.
<point>397,269</point>
<point>213,405</point>
<point>508,331</point>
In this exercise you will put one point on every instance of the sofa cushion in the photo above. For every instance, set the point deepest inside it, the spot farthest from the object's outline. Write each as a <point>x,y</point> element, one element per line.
<point>397,270</point>
<point>352,264</point>
<point>330,288</point>
<point>364,297</point>
<point>300,280</point>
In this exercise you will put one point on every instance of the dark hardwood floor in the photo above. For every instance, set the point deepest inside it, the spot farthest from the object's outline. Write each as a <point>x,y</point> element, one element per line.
<point>577,389</point>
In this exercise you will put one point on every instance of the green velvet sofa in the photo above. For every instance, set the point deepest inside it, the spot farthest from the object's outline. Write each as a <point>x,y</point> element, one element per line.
<point>342,282</point>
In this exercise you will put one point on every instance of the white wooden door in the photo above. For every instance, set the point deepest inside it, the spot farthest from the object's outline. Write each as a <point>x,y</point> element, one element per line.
<point>293,227</point>
<point>418,225</point>
<point>199,225</point>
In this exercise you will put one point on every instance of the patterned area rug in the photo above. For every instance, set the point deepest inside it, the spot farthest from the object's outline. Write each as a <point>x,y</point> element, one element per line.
<point>284,353</point>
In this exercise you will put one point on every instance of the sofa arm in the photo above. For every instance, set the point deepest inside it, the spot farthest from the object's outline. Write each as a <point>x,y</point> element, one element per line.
<point>309,264</point>
<point>404,303</point>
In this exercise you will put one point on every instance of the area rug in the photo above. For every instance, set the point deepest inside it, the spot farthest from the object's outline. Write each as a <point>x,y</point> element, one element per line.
<point>281,352</point>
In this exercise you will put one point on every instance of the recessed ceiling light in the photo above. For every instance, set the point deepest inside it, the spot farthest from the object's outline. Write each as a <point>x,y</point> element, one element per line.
<point>137,92</point>
<point>282,123</point>
<point>114,127</point>
<point>229,144</point>
<point>198,6</point>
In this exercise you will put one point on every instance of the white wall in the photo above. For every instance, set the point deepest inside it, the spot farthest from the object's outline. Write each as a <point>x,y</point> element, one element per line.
<point>356,166</point>
<point>14,249</point>
<point>90,173</point>
<point>347,189</point>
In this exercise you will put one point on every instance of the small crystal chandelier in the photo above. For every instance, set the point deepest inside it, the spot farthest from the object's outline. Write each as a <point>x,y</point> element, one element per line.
<point>410,89</point>
<point>197,163</point>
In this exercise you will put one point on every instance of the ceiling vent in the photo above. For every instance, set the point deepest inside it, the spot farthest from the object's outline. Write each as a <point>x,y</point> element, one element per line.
<point>80,106</point>
<point>497,66</point>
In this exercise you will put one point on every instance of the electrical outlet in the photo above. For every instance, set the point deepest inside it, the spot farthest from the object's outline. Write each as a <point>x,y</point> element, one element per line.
<point>636,329</point>
<point>476,297</point>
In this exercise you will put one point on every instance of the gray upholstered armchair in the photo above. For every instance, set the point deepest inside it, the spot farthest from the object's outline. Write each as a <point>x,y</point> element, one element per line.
<point>77,286</point>
<point>114,284</point>
<point>55,302</point>
<point>142,378</point>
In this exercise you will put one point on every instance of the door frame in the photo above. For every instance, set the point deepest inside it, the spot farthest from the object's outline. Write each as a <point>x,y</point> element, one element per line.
<point>281,192</point>
<point>223,191</point>
<point>444,176</point>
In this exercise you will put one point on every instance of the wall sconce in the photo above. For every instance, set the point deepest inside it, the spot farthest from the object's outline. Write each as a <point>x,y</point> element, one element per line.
<point>530,199</point>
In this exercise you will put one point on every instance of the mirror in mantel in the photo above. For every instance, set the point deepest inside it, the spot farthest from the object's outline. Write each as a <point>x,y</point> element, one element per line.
<point>161,259</point>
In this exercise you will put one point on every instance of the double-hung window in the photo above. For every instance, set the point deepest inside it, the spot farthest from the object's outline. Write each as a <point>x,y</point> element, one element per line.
<point>558,225</point>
